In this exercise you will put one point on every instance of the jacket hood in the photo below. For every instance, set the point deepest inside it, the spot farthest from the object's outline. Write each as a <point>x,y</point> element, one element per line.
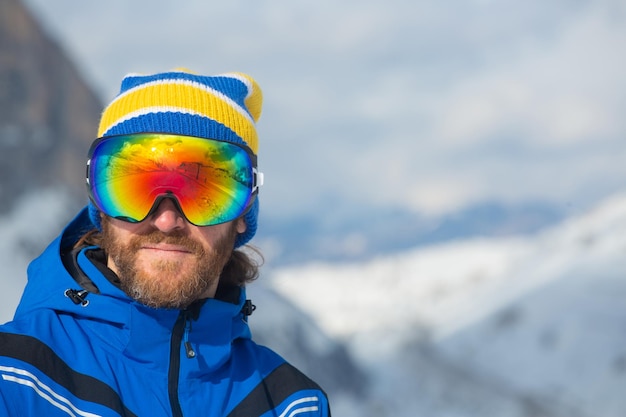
<point>132,327</point>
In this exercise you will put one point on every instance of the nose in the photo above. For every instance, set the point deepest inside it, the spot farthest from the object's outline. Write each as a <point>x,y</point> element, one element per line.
<point>167,217</point>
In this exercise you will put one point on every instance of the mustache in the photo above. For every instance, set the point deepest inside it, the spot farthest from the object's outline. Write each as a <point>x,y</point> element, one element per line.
<point>156,236</point>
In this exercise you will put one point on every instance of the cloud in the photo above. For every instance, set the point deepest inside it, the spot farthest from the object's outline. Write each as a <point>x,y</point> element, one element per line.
<point>553,93</point>
<point>421,104</point>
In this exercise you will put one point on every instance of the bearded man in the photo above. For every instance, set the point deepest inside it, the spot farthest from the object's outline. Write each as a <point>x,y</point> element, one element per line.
<point>138,308</point>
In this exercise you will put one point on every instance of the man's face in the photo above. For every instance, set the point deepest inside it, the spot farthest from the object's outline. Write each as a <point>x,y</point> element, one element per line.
<point>166,262</point>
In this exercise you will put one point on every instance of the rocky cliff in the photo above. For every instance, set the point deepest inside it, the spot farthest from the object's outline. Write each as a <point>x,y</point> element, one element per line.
<point>48,114</point>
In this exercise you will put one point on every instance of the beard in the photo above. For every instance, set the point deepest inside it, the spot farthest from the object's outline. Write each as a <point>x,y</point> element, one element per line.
<point>167,283</point>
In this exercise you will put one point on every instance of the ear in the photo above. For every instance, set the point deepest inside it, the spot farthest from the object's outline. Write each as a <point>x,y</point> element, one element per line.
<point>241,225</point>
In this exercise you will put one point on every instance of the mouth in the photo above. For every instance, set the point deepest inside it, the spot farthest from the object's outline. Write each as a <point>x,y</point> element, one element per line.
<point>167,248</point>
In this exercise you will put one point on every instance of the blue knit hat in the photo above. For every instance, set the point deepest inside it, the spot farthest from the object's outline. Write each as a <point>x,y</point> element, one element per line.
<point>224,107</point>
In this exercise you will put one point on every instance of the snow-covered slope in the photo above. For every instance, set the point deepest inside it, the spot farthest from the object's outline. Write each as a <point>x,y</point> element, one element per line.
<point>499,327</point>
<point>35,220</point>
<point>563,342</point>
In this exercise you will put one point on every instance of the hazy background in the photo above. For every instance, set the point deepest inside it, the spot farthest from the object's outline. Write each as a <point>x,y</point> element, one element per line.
<point>417,122</point>
<point>410,106</point>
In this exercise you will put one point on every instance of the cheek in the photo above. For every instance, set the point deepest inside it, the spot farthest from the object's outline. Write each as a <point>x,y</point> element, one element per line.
<point>214,236</point>
<point>123,228</point>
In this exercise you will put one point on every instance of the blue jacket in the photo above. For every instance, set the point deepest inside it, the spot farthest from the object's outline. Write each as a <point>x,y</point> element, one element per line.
<point>71,352</point>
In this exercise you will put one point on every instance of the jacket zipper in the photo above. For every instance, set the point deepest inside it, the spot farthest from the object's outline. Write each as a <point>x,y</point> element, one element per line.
<point>180,329</point>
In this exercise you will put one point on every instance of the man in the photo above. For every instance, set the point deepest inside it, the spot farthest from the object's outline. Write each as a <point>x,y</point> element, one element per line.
<point>139,307</point>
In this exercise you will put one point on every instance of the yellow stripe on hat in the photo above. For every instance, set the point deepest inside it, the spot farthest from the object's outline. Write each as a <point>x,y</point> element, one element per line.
<point>186,97</point>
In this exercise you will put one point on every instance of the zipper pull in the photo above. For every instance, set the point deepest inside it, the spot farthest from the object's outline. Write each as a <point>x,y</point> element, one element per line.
<point>190,352</point>
<point>188,348</point>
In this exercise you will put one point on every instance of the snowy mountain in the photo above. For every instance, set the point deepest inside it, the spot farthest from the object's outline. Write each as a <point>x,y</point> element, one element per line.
<point>25,231</point>
<point>359,234</point>
<point>48,113</point>
<point>530,326</point>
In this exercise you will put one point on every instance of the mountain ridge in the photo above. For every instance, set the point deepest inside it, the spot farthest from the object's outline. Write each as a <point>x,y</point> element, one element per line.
<point>48,113</point>
<point>510,326</point>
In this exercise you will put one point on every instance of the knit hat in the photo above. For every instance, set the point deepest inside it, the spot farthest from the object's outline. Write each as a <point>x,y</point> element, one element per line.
<point>224,107</point>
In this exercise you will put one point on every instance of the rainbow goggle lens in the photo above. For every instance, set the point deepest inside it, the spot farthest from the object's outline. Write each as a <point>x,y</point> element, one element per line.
<point>210,181</point>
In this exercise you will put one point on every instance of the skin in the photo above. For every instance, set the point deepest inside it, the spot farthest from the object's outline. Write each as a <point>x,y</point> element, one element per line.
<point>165,261</point>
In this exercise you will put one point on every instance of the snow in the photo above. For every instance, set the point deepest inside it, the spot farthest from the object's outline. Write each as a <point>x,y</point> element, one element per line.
<point>431,286</point>
<point>533,325</point>
<point>35,220</point>
<point>446,287</point>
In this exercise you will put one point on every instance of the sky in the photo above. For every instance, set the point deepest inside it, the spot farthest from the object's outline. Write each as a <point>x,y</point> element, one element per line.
<point>422,105</point>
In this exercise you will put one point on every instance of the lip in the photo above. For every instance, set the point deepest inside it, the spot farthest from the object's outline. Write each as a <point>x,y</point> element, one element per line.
<point>166,248</point>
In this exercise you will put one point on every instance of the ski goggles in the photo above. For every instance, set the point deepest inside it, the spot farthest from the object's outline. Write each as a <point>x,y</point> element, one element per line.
<point>210,181</point>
